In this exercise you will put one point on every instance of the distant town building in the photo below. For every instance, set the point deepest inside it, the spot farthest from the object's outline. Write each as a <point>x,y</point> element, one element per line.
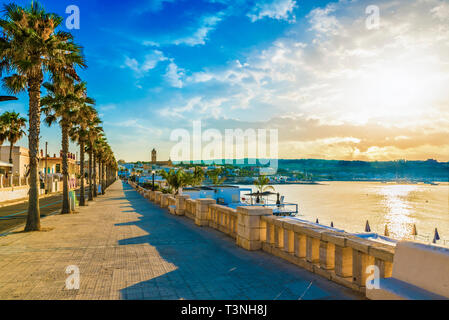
<point>154,161</point>
<point>54,164</point>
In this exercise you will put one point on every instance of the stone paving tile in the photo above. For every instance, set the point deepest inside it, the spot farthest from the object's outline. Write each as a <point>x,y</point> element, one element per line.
<point>128,248</point>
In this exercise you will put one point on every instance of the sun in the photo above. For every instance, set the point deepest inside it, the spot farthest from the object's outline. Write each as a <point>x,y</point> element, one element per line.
<point>393,92</point>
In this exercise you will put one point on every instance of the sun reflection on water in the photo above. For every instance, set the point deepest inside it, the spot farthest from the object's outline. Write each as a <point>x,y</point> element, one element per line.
<point>398,206</point>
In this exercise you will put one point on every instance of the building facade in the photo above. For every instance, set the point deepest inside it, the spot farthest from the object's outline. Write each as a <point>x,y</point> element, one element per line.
<point>20,160</point>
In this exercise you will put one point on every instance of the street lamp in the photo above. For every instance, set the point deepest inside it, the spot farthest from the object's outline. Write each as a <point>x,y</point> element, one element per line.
<point>153,172</point>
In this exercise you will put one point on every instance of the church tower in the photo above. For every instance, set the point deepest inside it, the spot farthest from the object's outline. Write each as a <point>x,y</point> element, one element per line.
<point>153,156</point>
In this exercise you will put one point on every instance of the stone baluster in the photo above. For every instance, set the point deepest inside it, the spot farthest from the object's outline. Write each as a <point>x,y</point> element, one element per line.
<point>289,245</point>
<point>299,241</point>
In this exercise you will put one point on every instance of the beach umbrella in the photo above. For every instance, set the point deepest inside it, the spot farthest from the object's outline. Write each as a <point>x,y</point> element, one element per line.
<point>436,235</point>
<point>386,232</point>
<point>317,221</point>
<point>332,224</point>
<point>414,231</point>
<point>367,227</point>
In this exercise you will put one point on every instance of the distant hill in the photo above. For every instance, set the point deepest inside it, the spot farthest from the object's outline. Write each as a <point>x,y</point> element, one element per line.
<point>319,169</point>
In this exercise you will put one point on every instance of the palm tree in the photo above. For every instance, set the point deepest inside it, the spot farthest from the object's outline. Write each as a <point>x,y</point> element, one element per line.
<point>93,131</point>
<point>12,129</point>
<point>101,148</point>
<point>198,176</point>
<point>62,104</point>
<point>262,184</point>
<point>176,180</point>
<point>79,133</point>
<point>29,47</point>
<point>214,176</point>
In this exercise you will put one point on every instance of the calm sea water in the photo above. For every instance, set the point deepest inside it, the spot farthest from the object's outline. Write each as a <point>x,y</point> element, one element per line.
<point>349,204</point>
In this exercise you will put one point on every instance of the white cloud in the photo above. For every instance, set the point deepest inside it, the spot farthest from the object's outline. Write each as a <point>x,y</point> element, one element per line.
<point>273,9</point>
<point>212,108</point>
<point>149,63</point>
<point>174,75</point>
<point>322,21</point>
<point>200,34</point>
<point>106,107</point>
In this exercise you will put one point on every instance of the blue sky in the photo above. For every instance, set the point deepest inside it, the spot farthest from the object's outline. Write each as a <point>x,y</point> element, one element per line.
<point>297,66</point>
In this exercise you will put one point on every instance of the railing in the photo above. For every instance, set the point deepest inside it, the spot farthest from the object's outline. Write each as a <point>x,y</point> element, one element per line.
<point>338,256</point>
<point>290,209</point>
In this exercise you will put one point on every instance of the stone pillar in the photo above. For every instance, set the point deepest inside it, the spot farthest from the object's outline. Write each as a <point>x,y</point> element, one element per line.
<point>152,193</point>
<point>181,204</point>
<point>164,200</point>
<point>1,181</point>
<point>250,226</point>
<point>202,209</point>
<point>157,197</point>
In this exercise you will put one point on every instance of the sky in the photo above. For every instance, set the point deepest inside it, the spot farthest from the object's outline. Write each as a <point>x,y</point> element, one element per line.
<point>334,81</point>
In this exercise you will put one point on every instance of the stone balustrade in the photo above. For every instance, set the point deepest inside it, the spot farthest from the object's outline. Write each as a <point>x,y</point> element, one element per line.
<point>338,256</point>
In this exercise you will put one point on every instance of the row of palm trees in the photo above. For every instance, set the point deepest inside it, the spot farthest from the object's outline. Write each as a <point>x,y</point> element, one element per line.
<point>177,179</point>
<point>33,50</point>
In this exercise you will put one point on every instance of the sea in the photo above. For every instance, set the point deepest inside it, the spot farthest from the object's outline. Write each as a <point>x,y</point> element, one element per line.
<point>348,205</point>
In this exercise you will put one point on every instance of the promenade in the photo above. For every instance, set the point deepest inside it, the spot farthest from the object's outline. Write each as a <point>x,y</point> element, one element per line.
<point>125,247</point>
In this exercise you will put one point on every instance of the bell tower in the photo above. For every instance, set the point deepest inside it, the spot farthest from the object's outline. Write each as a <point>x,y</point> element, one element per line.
<point>153,156</point>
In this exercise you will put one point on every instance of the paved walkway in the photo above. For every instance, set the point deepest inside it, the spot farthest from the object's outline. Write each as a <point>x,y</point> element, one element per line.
<point>127,248</point>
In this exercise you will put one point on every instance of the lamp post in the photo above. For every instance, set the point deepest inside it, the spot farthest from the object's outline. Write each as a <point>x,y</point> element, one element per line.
<point>153,172</point>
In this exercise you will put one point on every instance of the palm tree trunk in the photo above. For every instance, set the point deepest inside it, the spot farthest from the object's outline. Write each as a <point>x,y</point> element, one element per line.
<point>82,190</point>
<point>100,165</point>
<point>34,218</point>
<point>94,177</point>
<point>65,170</point>
<point>91,192</point>
<point>10,152</point>
<point>103,179</point>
